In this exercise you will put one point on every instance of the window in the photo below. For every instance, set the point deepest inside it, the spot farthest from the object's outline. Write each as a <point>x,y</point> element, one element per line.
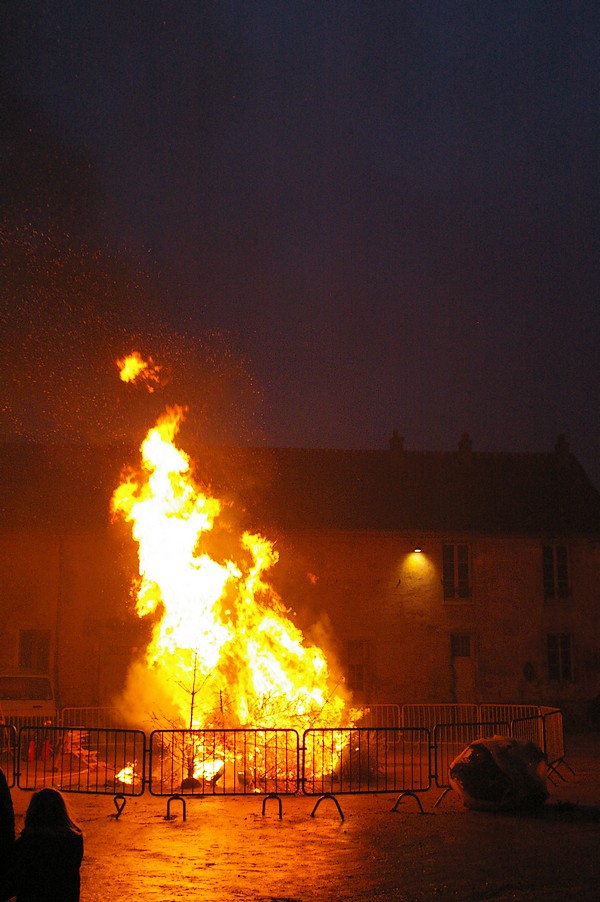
<point>456,571</point>
<point>460,645</point>
<point>359,664</point>
<point>555,570</point>
<point>34,651</point>
<point>560,666</point>
<point>24,688</point>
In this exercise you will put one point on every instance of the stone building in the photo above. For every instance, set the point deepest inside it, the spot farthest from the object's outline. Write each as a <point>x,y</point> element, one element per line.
<point>429,576</point>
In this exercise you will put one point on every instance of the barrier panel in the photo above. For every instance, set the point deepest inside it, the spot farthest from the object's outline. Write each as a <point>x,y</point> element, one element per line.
<point>529,729</point>
<point>226,762</point>
<point>362,760</point>
<point>100,718</point>
<point>449,740</point>
<point>502,712</point>
<point>381,716</point>
<point>428,716</point>
<point>82,760</point>
<point>8,749</point>
<point>554,743</point>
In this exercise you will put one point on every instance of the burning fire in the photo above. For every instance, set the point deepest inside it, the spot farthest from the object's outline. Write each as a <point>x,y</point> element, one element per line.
<point>127,775</point>
<point>223,649</point>
<point>134,366</point>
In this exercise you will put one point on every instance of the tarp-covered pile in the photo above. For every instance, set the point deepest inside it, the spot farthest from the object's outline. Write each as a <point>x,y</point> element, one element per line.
<point>500,774</point>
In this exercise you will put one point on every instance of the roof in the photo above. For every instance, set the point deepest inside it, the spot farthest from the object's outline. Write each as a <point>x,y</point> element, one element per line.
<point>69,488</point>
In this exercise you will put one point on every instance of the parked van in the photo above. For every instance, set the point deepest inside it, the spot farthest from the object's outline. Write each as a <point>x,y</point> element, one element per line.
<point>27,700</point>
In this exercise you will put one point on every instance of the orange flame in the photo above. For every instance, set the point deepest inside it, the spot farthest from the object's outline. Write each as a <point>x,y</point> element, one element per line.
<point>134,367</point>
<point>223,649</point>
<point>127,775</point>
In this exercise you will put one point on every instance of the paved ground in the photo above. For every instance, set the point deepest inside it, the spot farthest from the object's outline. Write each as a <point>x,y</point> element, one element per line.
<point>227,849</point>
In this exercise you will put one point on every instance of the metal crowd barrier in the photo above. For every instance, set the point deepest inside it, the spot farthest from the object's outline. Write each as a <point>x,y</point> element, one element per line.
<point>502,712</point>
<point>429,715</point>
<point>449,739</point>
<point>225,762</point>
<point>267,762</point>
<point>529,729</point>
<point>8,746</point>
<point>105,718</point>
<point>553,736</point>
<point>362,760</point>
<point>381,716</point>
<point>83,760</point>
<point>541,725</point>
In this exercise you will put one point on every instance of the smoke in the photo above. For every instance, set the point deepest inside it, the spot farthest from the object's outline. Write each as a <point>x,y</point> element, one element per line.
<point>145,703</point>
<point>322,634</point>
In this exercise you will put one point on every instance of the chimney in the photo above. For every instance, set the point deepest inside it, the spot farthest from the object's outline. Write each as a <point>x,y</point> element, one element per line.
<point>563,452</point>
<point>397,443</point>
<point>396,450</point>
<point>465,448</point>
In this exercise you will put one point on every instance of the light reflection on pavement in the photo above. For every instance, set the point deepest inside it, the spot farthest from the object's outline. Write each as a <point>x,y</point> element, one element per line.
<point>227,849</point>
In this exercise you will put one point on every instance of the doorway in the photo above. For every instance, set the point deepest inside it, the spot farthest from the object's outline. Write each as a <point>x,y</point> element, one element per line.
<point>462,663</point>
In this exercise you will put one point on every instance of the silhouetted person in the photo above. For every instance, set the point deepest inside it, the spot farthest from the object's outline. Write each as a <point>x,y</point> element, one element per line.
<point>7,828</point>
<point>48,853</point>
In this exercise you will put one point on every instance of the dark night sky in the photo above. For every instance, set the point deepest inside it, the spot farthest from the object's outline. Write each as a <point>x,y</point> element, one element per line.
<point>391,209</point>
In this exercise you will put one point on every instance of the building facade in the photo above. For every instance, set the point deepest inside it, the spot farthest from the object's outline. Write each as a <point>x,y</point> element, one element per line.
<point>427,577</point>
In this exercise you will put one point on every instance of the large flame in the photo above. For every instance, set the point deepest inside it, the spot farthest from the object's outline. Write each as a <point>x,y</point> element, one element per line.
<point>223,649</point>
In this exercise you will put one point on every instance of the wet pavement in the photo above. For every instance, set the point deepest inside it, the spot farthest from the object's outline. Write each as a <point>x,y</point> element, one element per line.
<point>227,849</point>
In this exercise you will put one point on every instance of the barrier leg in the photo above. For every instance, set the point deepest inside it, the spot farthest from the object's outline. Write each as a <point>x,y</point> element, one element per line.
<point>119,802</point>
<point>554,769</point>
<point>176,798</point>
<point>443,796</point>
<point>408,792</point>
<point>272,795</point>
<point>328,795</point>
